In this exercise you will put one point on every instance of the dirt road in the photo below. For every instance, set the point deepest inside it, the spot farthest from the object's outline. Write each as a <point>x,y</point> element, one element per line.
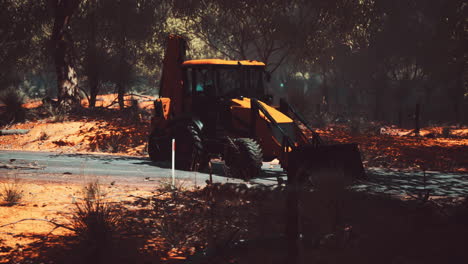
<point>77,167</point>
<point>62,167</point>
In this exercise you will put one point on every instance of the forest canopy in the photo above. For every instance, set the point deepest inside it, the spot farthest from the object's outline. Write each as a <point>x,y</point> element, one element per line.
<point>366,58</point>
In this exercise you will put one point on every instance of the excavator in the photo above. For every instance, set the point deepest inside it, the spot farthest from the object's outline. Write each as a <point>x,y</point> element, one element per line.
<point>219,108</point>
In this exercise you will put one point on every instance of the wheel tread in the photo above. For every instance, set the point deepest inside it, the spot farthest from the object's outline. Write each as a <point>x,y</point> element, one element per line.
<point>247,162</point>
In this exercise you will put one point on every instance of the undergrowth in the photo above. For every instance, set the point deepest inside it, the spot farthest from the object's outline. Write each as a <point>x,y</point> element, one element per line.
<point>237,223</point>
<point>13,100</point>
<point>53,111</point>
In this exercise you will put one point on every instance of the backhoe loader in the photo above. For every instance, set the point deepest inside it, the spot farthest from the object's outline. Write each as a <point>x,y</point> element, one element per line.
<point>215,107</point>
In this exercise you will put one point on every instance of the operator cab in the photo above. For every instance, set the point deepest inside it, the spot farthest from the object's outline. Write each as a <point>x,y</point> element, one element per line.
<point>223,78</point>
<point>209,86</point>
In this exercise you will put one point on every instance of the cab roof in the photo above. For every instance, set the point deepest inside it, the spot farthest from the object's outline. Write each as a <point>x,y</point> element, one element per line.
<point>223,62</point>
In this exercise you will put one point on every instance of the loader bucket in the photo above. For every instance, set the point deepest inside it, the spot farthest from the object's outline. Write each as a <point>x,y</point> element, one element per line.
<point>343,157</point>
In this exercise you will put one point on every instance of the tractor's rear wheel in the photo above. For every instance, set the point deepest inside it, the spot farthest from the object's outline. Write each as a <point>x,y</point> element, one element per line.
<point>189,147</point>
<point>243,158</point>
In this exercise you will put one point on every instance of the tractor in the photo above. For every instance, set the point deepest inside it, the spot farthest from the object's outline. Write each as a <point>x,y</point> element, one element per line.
<point>219,108</point>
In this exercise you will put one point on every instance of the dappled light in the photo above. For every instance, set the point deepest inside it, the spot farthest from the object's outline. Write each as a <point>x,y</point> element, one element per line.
<point>226,223</point>
<point>407,152</point>
<point>108,130</point>
<point>222,132</point>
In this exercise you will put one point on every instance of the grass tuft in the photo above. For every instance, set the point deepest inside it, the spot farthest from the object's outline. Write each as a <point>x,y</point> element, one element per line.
<point>11,192</point>
<point>94,219</point>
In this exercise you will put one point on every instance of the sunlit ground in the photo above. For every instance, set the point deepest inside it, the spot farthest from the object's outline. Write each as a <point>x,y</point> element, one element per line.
<point>44,201</point>
<point>111,131</point>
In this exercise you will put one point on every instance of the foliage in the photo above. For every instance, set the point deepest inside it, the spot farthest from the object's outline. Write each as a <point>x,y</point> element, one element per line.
<point>20,36</point>
<point>260,30</point>
<point>376,56</point>
<point>119,40</point>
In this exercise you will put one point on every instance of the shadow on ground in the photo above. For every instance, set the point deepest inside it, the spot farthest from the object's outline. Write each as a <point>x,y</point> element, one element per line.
<point>230,223</point>
<point>414,183</point>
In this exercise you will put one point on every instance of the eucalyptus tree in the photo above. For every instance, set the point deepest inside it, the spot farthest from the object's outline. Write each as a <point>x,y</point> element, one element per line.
<point>106,41</point>
<point>335,33</point>
<point>130,31</point>
<point>62,45</point>
<point>89,45</point>
<point>447,56</point>
<point>92,46</point>
<point>243,29</point>
<point>301,33</point>
<point>21,31</point>
<point>417,53</point>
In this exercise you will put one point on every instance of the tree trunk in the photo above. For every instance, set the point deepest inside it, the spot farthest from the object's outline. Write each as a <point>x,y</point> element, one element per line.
<point>120,95</point>
<point>417,126</point>
<point>62,45</point>
<point>93,75</point>
<point>458,98</point>
<point>122,80</point>
<point>379,88</point>
<point>94,87</point>
<point>92,71</point>
<point>325,93</point>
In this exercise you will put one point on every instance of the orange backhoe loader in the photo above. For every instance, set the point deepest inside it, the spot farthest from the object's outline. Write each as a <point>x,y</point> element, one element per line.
<point>216,107</point>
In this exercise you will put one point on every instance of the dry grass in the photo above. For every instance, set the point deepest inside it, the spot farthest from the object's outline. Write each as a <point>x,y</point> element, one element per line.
<point>94,219</point>
<point>56,114</point>
<point>211,224</point>
<point>11,192</point>
<point>405,152</point>
<point>33,230</point>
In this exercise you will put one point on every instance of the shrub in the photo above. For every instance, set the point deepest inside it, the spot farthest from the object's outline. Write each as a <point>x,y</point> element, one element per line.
<point>94,219</point>
<point>11,192</point>
<point>43,136</point>
<point>53,110</point>
<point>13,100</point>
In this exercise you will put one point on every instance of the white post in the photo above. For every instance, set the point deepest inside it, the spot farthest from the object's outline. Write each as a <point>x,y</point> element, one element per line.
<point>173,162</point>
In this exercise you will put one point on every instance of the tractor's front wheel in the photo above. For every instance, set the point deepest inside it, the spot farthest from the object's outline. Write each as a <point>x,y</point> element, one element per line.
<point>243,158</point>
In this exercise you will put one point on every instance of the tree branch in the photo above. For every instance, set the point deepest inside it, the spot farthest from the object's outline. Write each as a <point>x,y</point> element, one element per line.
<point>57,225</point>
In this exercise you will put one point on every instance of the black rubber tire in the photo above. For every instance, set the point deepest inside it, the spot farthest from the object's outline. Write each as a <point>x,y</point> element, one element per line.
<point>245,162</point>
<point>159,147</point>
<point>189,147</point>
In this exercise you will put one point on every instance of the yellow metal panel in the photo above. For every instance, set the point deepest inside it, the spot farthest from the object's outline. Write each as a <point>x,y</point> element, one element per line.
<point>223,62</point>
<point>166,104</point>
<point>277,115</point>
